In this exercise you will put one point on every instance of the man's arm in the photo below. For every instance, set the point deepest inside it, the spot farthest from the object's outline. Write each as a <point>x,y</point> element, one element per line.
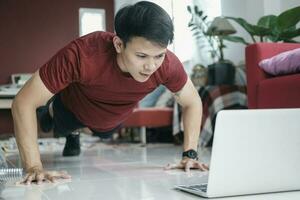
<point>191,104</point>
<point>31,96</point>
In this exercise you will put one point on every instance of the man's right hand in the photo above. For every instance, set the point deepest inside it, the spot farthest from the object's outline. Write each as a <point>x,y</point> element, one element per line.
<point>32,95</point>
<point>39,175</point>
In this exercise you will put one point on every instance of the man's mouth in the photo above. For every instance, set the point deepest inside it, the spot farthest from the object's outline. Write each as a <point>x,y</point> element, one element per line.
<point>145,75</point>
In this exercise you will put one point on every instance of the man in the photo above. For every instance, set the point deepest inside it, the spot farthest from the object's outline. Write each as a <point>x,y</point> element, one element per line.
<point>97,80</point>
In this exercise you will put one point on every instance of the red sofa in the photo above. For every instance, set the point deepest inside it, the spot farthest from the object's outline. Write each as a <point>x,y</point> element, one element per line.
<point>267,91</point>
<point>149,117</point>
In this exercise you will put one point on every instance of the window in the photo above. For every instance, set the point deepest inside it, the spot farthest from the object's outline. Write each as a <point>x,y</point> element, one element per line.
<point>90,20</point>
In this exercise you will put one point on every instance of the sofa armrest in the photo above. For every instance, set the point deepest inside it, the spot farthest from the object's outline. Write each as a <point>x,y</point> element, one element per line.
<point>254,54</point>
<point>150,117</point>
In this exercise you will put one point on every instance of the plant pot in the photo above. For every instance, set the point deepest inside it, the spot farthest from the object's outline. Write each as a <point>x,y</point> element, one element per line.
<point>221,73</point>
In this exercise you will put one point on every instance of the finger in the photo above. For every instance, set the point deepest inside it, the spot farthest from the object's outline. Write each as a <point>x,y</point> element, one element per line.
<point>52,173</point>
<point>173,166</point>
<point>198,165</point>
<point>65,174</point>
<point>61,174</point>
<point>25,179</point>
<point>56,173</point>
<point>202,166</point>
<point>29,179</point>
<point>39,178</point>
<point>26,176</point>
<point>169,166</point>
<point>205,166</point>
<point>188,165</point>
<point>50,178</point>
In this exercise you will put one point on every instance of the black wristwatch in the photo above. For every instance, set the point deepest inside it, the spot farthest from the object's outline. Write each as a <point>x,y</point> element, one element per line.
<point>190,154</point>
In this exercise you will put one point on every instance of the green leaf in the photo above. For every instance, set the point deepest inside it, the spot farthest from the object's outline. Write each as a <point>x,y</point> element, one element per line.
<point>261,31</point>
<point>191,24</point>
<point>194,28</point>
<point>235,39</point>
<point>196,10</point>
<point>248,27</point>
<point>189,9</point>
<point>290,33</point>
<point>199,13</point>
<point>252,29</point>
<point>290,41</point>
<point>202,46</point>
<point>199,37</point>
<point>273,38</point>
<point>267,21</point>
<point>289,18</point>
<point>196,33</point>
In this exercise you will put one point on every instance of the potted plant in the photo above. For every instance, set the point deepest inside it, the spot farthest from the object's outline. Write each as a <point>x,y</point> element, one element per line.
<point>199,25</point>
<point>211,35</point>
<point>270,28</point>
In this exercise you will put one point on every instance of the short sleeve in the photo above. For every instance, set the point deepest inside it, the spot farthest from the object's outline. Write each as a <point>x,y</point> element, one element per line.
<point>174,73</point>
<point>62,69</point>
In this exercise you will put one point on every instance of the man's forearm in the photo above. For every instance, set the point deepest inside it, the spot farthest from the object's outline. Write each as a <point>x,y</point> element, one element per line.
<point>25,127</point>
<point>192,116</point>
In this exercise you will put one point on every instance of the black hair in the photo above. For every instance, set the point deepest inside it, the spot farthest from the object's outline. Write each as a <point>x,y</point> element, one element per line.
<point>144,19</point>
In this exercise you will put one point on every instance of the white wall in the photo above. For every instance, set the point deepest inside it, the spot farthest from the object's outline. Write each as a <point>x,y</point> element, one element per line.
<point>287,4</point>
<point>251,10</point>
<point>120,3</point>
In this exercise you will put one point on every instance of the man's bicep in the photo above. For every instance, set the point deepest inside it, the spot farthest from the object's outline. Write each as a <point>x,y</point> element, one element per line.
<point>187,95</point>
<point>34,92</point>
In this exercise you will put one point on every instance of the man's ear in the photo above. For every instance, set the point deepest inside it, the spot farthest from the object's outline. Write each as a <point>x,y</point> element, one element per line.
<point>118,43</point>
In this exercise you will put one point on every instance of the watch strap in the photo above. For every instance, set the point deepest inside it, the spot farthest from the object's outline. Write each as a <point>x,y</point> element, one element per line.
<point>190,154</point>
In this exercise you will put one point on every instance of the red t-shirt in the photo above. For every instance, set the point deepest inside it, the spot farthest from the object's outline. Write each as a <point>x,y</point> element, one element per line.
<point>93,87</point>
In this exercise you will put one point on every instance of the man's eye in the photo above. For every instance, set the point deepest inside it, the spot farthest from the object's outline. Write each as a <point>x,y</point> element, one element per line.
<point>160,56</point>
<point>141,56</point>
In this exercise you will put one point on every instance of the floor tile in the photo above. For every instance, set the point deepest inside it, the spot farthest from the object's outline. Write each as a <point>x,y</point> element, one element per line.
<point>117,172</point>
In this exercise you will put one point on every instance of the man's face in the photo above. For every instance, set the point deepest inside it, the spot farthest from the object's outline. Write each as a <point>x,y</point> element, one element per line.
<point>140,58</point>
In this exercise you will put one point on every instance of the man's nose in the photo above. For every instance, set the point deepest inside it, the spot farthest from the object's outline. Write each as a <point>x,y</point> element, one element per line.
<point>150,65</point>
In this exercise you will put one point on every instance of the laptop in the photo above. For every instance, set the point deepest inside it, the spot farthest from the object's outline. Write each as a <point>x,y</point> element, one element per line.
<point>254,151</point>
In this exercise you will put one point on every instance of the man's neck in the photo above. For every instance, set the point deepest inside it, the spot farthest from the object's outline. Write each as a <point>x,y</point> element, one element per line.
<point>121,64</point>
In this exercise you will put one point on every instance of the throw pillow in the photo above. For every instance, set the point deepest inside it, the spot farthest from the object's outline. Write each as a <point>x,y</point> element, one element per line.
<point>284,63</point>
<point>151,99</point>
<point>165,100</point>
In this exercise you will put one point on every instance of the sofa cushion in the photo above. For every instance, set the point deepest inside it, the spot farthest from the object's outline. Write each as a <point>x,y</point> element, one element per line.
<point>284,63</point>
<point>279,92</point>
<point>150,117</point>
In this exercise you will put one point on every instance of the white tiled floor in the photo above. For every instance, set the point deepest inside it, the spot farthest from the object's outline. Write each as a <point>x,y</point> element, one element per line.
<point>125,171</point>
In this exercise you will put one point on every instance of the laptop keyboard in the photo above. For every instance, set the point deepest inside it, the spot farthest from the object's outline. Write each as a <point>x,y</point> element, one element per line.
<point>200,187</point>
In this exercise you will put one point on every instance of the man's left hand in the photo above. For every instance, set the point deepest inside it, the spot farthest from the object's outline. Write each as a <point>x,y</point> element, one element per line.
<point>187,164</point>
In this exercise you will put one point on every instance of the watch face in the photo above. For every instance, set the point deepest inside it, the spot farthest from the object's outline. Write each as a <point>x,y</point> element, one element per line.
<point>192,154</point>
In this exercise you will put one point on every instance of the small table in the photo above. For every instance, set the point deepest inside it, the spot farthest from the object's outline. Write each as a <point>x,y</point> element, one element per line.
<point>5,102</point>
